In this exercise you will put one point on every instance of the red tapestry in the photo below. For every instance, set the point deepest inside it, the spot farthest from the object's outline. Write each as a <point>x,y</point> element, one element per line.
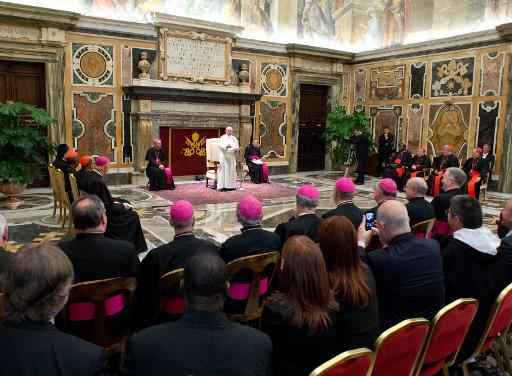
<point>188,150</point>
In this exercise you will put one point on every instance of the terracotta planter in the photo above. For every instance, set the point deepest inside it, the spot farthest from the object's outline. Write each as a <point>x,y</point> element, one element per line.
<point>11,190</point>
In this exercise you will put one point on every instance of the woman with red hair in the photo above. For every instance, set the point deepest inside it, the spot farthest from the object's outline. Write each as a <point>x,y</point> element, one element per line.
<point>352,283</point>
<point>301,318</point>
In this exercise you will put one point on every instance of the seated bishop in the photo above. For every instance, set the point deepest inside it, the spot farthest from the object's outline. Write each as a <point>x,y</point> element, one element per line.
<point>398,167</point>
<point>258,170</point>
<point>446,160</point>
<point>476,169</point>
<point>159,175</point>
<point>419,165</point>
<point>306,221</point>
<point>122,220</point>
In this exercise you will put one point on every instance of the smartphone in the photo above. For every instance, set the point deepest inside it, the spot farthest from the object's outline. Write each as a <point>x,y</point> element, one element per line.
<point>370,220</point>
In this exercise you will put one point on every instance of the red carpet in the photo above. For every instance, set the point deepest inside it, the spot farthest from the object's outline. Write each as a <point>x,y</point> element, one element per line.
<point>198,194</point>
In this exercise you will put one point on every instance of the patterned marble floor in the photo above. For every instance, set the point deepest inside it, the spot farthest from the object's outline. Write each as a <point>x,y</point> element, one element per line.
<point>33,220</point>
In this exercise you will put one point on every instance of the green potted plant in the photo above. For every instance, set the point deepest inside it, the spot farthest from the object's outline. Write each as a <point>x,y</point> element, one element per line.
<point>340,128</point>
<point>24,146</point>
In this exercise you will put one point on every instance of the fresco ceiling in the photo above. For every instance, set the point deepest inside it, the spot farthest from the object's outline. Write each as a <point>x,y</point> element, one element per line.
<point>350,25</point>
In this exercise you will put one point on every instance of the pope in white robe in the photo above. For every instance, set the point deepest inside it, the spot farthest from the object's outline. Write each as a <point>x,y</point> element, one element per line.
<point>226,172</point>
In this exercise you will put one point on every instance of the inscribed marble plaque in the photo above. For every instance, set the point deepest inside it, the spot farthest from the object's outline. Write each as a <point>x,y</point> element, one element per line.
<point>196,58</point>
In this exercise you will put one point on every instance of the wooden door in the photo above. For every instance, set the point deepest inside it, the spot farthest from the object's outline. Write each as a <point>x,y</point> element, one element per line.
<point>312,118</point>
<point>25,82</point>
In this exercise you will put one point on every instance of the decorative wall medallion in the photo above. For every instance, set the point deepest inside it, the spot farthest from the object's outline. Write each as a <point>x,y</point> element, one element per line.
<point>274,79</point>
<point>387,82</point>
<point>273,129</point>
<point>491,78</point>
<point>418,77</point>
<point>92,65</point>
<point>453,77</point>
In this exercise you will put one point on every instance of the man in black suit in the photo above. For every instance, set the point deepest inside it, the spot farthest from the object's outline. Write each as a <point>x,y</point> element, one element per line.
<point>253,239</point>
<point>37,285</point>
<point>4,237</point>
<point>418,208</point>
<point>203,341</point>
<point>453,180</point>
<point>305,222</point>
<point>170,256</point>
<point>93,255</point>
<point>490,158</point>
<point>505,233</point>
<point>408,271</point>
<point>344,191</point>
<point>473,252</point>
<point>360,140</point>
<point>385,148</point>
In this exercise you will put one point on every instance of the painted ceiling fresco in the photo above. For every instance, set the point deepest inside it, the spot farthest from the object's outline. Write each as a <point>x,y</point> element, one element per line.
<point>352,25</point>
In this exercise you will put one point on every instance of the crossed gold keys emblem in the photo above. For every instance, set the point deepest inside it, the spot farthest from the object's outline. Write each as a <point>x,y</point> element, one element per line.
<point>196,146</point>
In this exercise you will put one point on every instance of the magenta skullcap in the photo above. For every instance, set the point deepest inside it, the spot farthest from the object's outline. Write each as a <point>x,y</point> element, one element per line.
<point>101,161</point>
<point>345,185</point>
<point>182,211</point>
<point>250,208</point>
<point>308,191</point>
<point>388,185</point>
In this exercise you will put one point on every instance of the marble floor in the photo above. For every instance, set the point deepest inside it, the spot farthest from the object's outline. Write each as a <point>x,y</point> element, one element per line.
<point>33,220</point>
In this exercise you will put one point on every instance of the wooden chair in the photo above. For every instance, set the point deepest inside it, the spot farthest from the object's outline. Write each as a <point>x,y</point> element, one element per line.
<point>74,187</point>
<point>3,307</point>
<point>449,329</point>
<point>498,325</point>
<point>94,303</point>
<point>398,349</point>
<point>212,160</point>
<point>56,195</point>
<point>63,199</point>
<point>172,302</point>
<point>258,265</point>
<point>349,363</point>
<point>423,228</point>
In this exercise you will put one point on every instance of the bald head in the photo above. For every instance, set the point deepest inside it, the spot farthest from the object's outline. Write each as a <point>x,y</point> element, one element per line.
<point>447,150</point>
<point>393,220</point>
<point>506,215</point>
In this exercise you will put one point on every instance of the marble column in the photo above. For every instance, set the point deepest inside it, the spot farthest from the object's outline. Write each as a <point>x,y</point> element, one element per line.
<point>505,183</point>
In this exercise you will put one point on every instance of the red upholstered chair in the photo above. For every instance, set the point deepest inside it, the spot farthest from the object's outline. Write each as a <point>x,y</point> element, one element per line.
<point>349,363</point>
<point>449,329</point>
<point>499,323</point>
<point>398,349</point>
<point>172,302</point>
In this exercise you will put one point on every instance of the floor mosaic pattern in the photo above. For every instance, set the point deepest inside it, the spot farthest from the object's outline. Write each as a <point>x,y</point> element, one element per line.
<point>33,220</point>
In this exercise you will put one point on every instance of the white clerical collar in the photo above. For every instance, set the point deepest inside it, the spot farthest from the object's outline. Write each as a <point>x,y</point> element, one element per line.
<point>509,233</point>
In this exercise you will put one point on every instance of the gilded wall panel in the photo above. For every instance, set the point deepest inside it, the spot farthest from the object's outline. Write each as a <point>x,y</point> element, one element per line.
<point>387,117</point>
<point>449,125</point>
<point>488,121</point>
<point>94,124</point>
<point>273,129</point>
<point>359,88</point>
<point>453,77</point>
<point>491,78</point>
<point>387,82</point>
<point>418,80</point>
<point>415,126</point>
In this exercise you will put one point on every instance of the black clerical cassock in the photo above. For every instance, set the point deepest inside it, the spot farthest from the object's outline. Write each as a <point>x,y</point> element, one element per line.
<point>159,179</point>
<point>258,172</point>
<point>123,223</point>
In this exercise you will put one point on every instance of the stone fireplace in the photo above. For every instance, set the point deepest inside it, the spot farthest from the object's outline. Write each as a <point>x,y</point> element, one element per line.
<point>196,92</point>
